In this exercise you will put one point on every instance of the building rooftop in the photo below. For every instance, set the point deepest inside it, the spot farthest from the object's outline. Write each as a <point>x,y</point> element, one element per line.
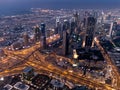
<point>21,86</point>
<point>27,69</point>
<point>7,87</point>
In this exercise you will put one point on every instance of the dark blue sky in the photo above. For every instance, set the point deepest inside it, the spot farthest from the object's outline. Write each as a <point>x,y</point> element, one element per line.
<point>60,3</point>
<point>13,6</point>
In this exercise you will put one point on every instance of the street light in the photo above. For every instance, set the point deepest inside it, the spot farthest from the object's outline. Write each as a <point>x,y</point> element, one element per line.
<point>2,79</point>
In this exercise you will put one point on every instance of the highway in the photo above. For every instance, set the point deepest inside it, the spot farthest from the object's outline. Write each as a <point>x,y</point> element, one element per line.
<point>32,57</point>
<point>39,64</point>
<point>115,71</point>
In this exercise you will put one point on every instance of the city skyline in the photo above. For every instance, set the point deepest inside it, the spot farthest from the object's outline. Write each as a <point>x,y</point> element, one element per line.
<point>59,45</point>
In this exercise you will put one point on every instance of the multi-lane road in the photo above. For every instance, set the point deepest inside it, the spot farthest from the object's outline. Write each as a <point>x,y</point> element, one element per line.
<point>32,57</point>
<point>37,61</point>
<point>115,72</point>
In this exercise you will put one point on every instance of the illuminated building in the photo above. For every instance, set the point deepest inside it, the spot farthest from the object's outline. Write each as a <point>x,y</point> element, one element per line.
<point>111,29</point>
<point>76,18</point>
<point>72,26</point>
<point>43,37</point>
<point>37,34</point>
<point>66,26</point>
<point>66,30</point>
<point>90,29</point>
<point>58,27</point>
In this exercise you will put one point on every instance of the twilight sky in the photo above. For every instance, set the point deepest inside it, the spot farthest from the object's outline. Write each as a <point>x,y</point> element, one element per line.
<point>60,3</point>
<point>16,6</point>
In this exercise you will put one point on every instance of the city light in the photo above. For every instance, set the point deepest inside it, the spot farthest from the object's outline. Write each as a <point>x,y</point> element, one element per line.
<point>2,79</point>
<point>66,47</point>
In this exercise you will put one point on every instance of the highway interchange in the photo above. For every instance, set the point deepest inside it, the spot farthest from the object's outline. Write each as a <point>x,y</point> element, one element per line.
<point>32,57</point>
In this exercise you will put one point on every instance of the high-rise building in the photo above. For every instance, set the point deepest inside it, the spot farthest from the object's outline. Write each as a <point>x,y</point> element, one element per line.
<point>58,27</point>
<point>76,18</point>
<point>66,25</point>
<point>72,25</point>
<point>90,29</point>
<point>65,43</point>
<point>113,29</point>
<point>43,37</point>
<point>115,26</point>
<point>42,28</point>
<point>86,15</point>
<point>25,39</point>
<point>65,36</point>
<point>37,33</point>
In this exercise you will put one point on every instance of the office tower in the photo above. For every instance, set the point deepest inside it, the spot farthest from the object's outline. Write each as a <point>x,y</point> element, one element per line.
<point>115,31</point>
<point>115,26</point>
<point>86,15</point>
<point>72,25</point>
<point>58,27</point>
<point>43,37</point>
<point>76,17</point>
<point>37,33</point>
<point>66,25</point>
<point>25,39</point>
<point>42,28</point>
<point>65,43</point>
<point>57,21</point>
<point>90,29</point>
<point>111,29</point>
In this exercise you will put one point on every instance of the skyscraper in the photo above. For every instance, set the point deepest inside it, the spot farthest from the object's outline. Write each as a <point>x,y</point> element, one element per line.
<point>76,18</point>
<point>66,25</point>
<point>43,37</point>
<point>111,29</point>
<point>37,33</point>
<point>66,30</point>
<point>72,25</point>
<point>58,27</point>
<point>65,48</point>
<point>115,31</point>
<point>42,28</point>
<point>90,29</point>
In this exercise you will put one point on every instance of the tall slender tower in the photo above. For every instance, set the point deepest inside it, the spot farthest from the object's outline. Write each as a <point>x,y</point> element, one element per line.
<point>76,17</point>
<point>90,29</point>
<point>65,49</point>
<point>43,35</point>
<point>58,27</point>
<point>37,33</point>
<point>66,27</point>
<point>111,29</point>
